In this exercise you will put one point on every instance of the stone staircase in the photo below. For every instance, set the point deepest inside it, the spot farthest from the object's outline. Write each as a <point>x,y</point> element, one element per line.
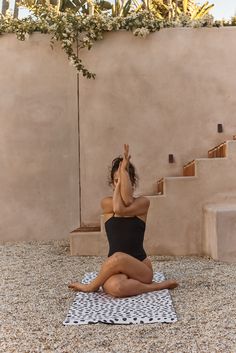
<point>181,210</point>
<point>89,241</point>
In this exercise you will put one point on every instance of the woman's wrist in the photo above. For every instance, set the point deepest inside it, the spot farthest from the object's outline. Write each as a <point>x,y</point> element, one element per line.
<point>126,188</point>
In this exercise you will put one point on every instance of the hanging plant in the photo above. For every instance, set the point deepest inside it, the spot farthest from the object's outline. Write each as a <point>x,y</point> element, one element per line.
<point>76,31</point>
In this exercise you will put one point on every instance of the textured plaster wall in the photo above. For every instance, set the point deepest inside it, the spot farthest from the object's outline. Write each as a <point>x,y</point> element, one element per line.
<point>38,140</point>
<point>164,94</point>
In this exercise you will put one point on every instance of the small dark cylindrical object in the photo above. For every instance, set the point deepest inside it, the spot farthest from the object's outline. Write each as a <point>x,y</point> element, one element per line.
<point>171,158</point>
<point>220,128</point>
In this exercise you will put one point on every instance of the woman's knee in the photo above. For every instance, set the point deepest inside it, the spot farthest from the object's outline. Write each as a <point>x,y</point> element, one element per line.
<point>117,258</point>
<point>119,255</point>
<point>115,286</point>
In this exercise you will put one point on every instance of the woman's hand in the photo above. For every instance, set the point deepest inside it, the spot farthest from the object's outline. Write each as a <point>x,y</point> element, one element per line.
<point>126,158</point>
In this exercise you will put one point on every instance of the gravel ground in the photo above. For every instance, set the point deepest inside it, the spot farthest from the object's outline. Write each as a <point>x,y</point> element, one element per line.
<point>35,301</point>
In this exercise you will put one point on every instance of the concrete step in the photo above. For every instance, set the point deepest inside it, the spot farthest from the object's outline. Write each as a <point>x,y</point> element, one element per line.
<point>225,150</point>
<point>219,151</point>
<point>88,243</point>
<point>86,229</point>
<point>220,231</point>
<point>89,240</point>
<point>189,169</point>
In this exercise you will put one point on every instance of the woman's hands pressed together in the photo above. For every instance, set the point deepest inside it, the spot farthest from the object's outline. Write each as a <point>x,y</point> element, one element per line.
<point>126,158</point>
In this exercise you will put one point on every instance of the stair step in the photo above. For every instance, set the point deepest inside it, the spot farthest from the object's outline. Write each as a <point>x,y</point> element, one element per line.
<point>160,187</point>
<point>218,151</point>
<point>189,169</point>
<point>88,243</point>
<point>219,228</point>
<point>85,229</point>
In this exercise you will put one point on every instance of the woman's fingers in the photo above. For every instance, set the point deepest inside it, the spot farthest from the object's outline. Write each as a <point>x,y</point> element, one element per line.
<point>126,150</point>
<point>125,162</point>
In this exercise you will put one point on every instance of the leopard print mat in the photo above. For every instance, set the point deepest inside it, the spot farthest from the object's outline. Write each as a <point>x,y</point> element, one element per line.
<point>90,308</point>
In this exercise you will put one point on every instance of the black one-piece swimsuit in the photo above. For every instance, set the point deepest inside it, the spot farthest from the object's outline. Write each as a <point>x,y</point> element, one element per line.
<point>126,234</point>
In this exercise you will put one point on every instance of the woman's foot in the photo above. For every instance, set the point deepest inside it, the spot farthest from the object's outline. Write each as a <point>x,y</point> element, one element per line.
<point>79,287</point>
<point>168,284</point>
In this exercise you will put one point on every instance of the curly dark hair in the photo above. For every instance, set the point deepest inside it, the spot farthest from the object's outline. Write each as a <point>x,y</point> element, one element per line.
<point>131,170</point>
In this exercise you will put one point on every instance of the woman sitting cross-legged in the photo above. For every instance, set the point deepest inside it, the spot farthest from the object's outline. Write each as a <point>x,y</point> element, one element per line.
<point>127,271</point>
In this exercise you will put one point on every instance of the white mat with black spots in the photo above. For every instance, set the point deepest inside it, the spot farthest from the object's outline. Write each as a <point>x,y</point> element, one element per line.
<point>90,308</point>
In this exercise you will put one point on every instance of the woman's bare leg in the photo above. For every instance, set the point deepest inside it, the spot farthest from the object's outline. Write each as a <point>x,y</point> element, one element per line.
<point>116,264</point>
<point>121,286</point>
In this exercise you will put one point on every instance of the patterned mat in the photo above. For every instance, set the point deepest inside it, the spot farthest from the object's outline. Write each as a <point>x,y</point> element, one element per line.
<point>90,308</point>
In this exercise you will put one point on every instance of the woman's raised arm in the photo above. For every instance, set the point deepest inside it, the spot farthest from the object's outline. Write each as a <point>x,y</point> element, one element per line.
<point>126,188</point>
<point>138,207</point>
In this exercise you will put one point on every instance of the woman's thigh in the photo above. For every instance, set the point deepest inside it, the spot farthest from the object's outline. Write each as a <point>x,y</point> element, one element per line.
<point>134,268</point>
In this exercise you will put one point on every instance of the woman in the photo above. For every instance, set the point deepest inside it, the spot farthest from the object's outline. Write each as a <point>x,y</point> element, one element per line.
<point>127,271</point>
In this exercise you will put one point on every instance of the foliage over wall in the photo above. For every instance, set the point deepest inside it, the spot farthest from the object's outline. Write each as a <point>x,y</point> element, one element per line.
<point>81,30</point>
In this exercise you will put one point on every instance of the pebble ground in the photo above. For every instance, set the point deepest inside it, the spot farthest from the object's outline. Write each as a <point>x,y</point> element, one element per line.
<point>35,300</point>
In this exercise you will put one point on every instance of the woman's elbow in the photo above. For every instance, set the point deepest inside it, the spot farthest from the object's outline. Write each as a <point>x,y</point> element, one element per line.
<point>117,209</point>
<point>128,202</point>
<point>120,210</point>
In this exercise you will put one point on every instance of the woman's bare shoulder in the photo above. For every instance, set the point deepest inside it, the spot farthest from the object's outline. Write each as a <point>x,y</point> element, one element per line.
<point>107,204</point>
<point>142,199</point>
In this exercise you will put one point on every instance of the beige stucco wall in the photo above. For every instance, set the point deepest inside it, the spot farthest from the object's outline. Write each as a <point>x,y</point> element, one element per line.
<point>38,140</point>
<point>162,94</point>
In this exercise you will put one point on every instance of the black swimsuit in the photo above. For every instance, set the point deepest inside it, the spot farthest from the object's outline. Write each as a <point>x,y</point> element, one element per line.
<point>126,234</point>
